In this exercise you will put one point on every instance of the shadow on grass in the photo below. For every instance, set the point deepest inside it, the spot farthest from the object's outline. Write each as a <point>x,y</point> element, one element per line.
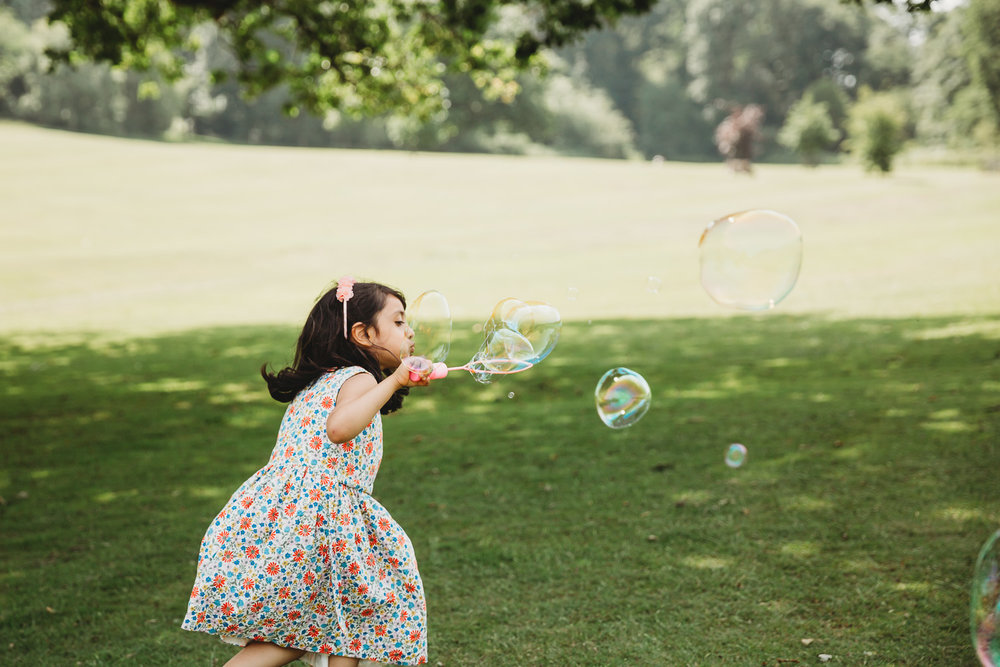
<point>543,536</point>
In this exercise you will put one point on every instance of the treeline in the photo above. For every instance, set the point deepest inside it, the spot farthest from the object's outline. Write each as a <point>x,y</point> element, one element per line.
<point>656,85</point>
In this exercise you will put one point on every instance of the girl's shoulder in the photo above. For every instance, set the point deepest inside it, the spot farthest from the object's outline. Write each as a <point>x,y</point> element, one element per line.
<point>328,385</point>
<point>333,379</point>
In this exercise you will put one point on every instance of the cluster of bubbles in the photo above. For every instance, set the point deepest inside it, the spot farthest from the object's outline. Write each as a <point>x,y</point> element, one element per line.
<point>517,335</point>
<point>750,261</point>
<point>985,605</point>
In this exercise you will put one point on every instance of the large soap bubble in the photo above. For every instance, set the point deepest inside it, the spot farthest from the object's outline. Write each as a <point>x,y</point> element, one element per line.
<point>430,318</point>
<point>517,335</point>
<point>986,603</point>
<point>538,322</point>
<point>622,397</point>
<point>750,260</point>
<point>505,350</point>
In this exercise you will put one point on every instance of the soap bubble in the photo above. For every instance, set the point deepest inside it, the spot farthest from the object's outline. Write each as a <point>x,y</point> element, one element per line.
<point>503,350</point>
<point>572,293</point>
<point>750,260</point>
<point>622,397</point>
<point>653,285</point>
<point>986,603</point>
<point>518,335</point>
<point>536,321</point>
<point>736,455</point>
<point>430,318</point>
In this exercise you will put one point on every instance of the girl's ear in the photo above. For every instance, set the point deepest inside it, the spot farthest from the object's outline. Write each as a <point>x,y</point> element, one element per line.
<point>360,335</point>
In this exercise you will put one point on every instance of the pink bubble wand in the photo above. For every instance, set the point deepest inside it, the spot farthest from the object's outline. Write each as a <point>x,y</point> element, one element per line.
<point>420,367</point>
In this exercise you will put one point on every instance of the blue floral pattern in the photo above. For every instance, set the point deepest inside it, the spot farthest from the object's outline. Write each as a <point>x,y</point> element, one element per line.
<point>302,555</point>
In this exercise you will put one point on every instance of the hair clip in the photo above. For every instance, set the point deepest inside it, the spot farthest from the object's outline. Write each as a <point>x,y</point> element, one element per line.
<point>345,290</point>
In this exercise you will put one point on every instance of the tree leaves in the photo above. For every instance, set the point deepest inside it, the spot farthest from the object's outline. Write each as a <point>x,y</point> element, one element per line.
<point>358,57</point>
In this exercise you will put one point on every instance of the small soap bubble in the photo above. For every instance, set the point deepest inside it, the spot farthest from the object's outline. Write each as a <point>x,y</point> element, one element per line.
<point>736,455</point>
<point>622,397</point>
<point>510,395</point>
<point>653,285</point>
<point>572,293</point>
<point>985,603</point>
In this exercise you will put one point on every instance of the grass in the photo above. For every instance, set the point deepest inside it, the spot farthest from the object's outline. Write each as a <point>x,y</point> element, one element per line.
<point>143,284</point>
<point>137,237</point>
<point>543,536</point>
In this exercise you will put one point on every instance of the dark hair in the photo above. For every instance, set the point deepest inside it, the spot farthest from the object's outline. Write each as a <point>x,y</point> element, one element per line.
<point>322,346</point>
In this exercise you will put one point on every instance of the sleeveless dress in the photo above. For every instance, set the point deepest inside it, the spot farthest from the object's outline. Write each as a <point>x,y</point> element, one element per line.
<point>302,555</point>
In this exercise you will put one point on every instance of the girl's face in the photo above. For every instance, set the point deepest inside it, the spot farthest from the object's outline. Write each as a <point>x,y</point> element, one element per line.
<point>391,338</point>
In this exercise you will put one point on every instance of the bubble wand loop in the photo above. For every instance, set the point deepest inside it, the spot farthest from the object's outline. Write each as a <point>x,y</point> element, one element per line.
<point>489,366</point>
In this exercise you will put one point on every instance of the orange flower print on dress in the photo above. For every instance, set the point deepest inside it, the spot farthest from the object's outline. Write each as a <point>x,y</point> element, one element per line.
<point>301,555</point>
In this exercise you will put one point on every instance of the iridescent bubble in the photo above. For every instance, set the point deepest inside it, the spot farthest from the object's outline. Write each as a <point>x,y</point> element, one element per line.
<point>510,395</point>
<point>537,321</point>
<point>985,619</point>
<point>518,335</point>
<point>622,397</point>
<point>503,350</point>
<point>736,455</point>
<point>430,318</point>
<point>750,260</point>
<point>653,285</point>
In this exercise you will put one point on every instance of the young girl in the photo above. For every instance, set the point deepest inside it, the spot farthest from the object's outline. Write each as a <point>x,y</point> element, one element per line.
<point>302,563</point>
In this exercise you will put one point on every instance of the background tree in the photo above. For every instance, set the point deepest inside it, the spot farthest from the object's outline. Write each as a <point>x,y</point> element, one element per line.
<point>769,52</point>
<point>653,83</point>
<point>358,57</point>
<point>808,130</point>
<point>982,31</point>
<point>876,129</point>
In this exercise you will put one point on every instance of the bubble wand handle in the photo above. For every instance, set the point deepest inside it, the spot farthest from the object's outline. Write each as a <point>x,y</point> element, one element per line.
<point>438,370</point>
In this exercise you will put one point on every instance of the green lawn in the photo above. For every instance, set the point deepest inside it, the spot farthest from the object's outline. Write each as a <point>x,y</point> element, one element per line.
<point>143,284</point>
<point>117,235</point>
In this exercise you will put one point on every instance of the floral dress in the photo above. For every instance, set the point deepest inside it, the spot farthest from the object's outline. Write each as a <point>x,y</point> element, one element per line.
<point>302,555</point>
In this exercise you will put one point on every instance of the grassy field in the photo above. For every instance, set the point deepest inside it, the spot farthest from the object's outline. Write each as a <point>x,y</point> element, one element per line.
<point>143,284</point>
<point>117,235</point>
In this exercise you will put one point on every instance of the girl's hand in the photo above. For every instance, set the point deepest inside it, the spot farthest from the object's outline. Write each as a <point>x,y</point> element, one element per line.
<point>402,377</point>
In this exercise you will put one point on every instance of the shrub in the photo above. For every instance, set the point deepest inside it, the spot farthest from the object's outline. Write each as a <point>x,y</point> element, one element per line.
<point>876,125</point>
<point>808,130</point>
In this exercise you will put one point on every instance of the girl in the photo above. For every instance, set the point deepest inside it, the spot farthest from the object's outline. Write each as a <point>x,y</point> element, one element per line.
<point>302,562</point>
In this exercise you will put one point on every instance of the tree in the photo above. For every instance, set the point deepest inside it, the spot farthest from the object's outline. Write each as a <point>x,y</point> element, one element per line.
<point>982,30</point>
<point>356,56</point>
<point>362,58</point>
<point>808,130</point>
<point>769,51</point>
<point>875,130</point>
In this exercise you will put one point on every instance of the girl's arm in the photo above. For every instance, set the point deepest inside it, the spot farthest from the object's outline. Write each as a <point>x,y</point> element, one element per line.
<point>360,398</point>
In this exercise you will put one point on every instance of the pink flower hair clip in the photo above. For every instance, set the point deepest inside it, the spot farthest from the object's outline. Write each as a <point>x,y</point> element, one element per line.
<point>345,290</point>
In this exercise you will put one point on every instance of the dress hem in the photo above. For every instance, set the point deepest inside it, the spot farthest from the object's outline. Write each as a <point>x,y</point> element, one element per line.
<point>309,657</point>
